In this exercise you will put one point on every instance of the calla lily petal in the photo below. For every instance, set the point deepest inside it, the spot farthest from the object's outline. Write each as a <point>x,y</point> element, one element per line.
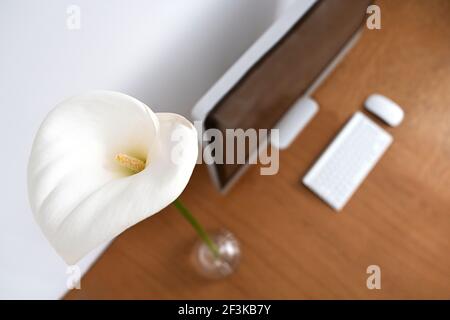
<point>80,196</point>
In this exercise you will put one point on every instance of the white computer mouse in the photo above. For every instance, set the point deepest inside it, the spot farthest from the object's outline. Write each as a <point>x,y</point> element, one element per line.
<point>384,108</point>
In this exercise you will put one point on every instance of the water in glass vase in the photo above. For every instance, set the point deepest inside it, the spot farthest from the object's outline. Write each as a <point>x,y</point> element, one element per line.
<point>215,267</point>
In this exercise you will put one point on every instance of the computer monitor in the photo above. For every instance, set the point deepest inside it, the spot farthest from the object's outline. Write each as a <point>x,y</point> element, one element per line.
<point>287,62</point>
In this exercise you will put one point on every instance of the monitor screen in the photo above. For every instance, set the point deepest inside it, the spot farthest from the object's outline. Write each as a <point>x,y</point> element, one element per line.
<point>272,85</point>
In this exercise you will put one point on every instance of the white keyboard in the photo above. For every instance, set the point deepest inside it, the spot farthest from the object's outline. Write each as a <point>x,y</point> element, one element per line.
<point>347,161</point>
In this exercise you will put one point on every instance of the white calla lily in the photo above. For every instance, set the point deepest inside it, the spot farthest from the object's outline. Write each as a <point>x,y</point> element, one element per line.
<point>80,194</point>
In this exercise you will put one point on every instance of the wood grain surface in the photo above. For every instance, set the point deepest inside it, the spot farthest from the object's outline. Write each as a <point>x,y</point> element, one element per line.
<point>295,246</point>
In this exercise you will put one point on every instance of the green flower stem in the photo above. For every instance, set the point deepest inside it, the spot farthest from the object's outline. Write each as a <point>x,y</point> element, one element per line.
<point>197,227</point>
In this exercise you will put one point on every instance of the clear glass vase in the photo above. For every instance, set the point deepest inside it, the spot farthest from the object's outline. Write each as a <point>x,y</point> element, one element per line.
<point>213,267</point>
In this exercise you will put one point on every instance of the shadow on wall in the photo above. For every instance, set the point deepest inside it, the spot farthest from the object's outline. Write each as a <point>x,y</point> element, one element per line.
<point>206,38</point>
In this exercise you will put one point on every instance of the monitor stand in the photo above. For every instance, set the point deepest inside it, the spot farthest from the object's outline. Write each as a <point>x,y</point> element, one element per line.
<point>293,122</point>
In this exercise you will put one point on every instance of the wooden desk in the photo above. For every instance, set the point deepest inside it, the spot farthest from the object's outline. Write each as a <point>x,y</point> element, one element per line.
<point>294,246</point>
